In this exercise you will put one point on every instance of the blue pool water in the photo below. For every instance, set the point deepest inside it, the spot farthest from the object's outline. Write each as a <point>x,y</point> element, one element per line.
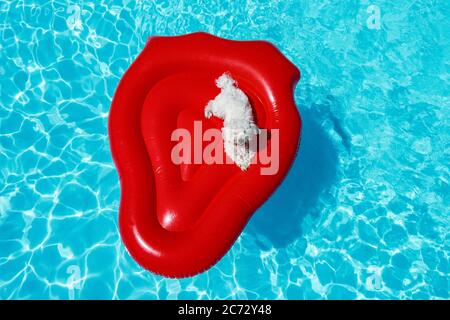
<point>364,212</point>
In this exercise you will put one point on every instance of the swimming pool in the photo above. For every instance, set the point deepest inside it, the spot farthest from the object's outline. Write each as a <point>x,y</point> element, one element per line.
<point>362,214</point>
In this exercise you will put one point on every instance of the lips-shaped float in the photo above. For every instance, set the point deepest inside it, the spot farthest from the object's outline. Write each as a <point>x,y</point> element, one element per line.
<point>178,220</point>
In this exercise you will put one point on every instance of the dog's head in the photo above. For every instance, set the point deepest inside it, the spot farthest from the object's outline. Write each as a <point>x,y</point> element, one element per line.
<point>225,81</point>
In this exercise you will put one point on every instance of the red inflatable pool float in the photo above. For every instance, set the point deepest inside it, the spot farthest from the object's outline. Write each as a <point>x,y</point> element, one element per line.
<point>178,220</point>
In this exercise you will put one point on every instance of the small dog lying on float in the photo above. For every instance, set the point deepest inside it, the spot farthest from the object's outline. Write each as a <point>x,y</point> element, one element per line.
<point>233,107</point>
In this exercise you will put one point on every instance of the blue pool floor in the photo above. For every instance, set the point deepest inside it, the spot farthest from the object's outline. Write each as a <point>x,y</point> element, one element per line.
<point>364,212</point>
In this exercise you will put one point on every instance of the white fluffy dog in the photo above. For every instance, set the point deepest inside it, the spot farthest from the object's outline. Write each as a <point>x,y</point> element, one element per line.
<point>233,107</point>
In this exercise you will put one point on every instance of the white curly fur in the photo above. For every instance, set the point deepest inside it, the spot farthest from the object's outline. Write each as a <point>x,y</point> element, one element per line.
<point>233,107</point>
